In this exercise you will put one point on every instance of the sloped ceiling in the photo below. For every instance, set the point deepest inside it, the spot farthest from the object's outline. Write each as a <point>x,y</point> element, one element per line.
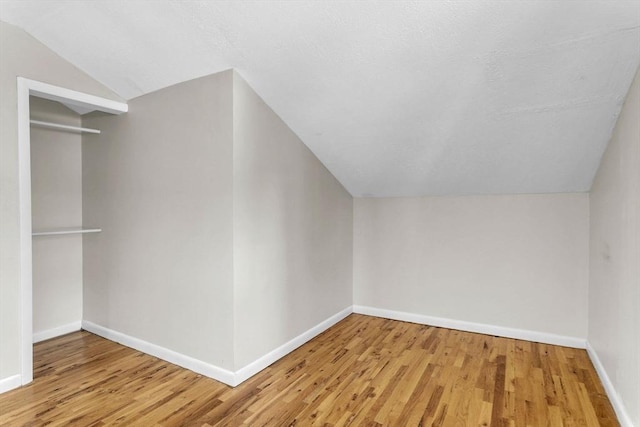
<point>396,98</point>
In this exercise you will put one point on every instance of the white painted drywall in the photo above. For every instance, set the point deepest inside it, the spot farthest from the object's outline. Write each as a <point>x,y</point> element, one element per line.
<point>158,181</point>
<point>517,261</point>
<point>56,201</point>
<point>22,56</point>
<point>292,232</point>
<point>183,266</point>
<point>614,285</point>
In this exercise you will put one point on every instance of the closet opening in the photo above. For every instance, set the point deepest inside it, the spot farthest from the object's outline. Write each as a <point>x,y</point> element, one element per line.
<point>51,226</point>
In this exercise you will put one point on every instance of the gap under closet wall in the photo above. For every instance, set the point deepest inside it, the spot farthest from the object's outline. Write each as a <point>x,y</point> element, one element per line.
<point>56,197</point>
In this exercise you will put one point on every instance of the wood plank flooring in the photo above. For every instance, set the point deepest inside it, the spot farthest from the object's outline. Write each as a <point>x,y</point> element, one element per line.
<point>364,371</point>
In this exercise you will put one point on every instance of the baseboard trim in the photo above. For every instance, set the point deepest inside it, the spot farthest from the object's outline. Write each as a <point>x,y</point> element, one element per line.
<point>616,401</point>
<point>188,362</point>
<point>10,383</point>
<point>57,331</point>
<point>220,374</point>
<point>501,331</point>
<point>259,364</point>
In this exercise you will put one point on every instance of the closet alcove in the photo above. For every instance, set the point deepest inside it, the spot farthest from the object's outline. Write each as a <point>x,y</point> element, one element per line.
<point>56,217</point>
<point>52,230</point>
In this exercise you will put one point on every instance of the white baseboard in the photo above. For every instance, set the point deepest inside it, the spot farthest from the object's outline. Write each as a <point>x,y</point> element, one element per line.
<point>259,364</point>
<point>57,331</point>
<point>618,406</point>
<point>223,375</point>
<point>195,365</point>
<point>10,383</point>
<point>501,331</point>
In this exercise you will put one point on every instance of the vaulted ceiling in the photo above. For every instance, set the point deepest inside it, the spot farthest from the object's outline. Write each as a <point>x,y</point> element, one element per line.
<point>396,98</point>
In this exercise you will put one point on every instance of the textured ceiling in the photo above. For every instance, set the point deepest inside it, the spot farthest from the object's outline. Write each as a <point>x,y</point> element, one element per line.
<point>395,98</point>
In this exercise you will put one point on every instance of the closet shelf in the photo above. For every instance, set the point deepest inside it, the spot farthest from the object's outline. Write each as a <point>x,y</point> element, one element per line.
<point>67,230</point>
<point>62,127</point>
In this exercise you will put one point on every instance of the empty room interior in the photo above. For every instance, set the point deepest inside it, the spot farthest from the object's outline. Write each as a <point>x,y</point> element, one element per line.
<point>365,213</point>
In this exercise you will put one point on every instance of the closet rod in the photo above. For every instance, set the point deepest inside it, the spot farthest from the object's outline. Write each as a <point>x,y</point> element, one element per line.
<point>61,231</point>
<point>63,127</point>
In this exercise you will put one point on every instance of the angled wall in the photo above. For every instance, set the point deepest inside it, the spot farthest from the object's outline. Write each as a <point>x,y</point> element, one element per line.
<point>292,232</point>
<point>614,283</point>
<point>223,238</point>
<point>158,181</point>
<point>21,55</point>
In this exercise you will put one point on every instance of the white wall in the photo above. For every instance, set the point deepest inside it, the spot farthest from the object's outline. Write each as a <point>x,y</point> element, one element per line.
<point>158,181</point>
<point>517,261</point>
<point>223,236</point>
<point>56,201</point>
<point>292,232</point>
<point>614,285</point>
<point>22,56</point>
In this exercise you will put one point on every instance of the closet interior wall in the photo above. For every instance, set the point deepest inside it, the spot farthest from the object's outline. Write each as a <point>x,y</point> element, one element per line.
<point>56,198</point>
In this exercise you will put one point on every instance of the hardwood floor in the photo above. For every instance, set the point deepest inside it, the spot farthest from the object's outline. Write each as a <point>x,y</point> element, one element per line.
<point>364,371</point>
